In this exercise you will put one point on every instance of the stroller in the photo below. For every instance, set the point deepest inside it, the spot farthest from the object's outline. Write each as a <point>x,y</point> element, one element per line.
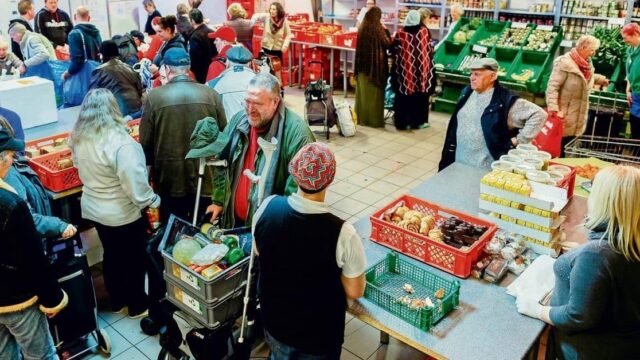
<point>319,108</point>
<point>73,326</point>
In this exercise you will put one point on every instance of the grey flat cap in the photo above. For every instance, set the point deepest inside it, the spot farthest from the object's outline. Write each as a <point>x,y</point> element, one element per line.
<point>485,63</point>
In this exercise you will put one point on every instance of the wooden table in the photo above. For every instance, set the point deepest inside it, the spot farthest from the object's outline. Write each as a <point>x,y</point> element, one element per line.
<point>486,325</point>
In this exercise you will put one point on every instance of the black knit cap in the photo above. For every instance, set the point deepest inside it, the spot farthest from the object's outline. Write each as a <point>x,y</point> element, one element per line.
<point>109,49</point>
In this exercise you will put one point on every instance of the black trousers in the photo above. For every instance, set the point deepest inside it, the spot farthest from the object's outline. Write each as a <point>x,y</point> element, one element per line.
<point>277,53</point>
<point>181,207</point>
<point>635,126</point>
<point>124,264</point>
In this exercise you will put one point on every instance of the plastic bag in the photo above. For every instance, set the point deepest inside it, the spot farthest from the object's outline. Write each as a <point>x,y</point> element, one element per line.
<point>210,254</point>
<point>51,70</point>
<point>77,86</point>
<point>549,138</point>
<point>345,119</point>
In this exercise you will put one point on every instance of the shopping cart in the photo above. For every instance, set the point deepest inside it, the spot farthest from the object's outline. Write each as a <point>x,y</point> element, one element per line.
<point>319,108</point>
<point>615,150</point>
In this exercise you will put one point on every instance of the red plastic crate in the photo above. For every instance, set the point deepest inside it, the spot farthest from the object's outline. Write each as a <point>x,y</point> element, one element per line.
<point>54,179</point>
<point>311,37</point>
<point>347,39</point>
<point>569,181</point>
<point>328,39</point>
<point>258,30</point>
<point>297,18</point>
<point>45,141</point>
<point>440,255</point>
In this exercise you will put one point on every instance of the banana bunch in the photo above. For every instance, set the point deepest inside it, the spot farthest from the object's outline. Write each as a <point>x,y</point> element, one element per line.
<point>524,75</point>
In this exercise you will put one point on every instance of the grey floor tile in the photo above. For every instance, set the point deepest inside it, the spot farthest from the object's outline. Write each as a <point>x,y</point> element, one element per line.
<point>410,171</point>
<point>130,329</point>
<point>398,179</point>
<point>395,146</point>
<point>349,206</point>
<point>363,342</point>
<point>344,187</point>
<point>382,152</point>
<point>132,354</point>
<point>375,172</point>
<point>332,197</point>
<point>355,165</point>
<point>342,172</point>
<point>150,347</point>
<point>389,164</point>
<point>347,355</point>
<point>367,196</point>
<point>360,180</point>
<point>352,326</point>
<point>368,158</point>
<point>118,345</point>
<point>403,158</point>
<point>110,317</point>
<point>383,187</point>
<point>397,350</point>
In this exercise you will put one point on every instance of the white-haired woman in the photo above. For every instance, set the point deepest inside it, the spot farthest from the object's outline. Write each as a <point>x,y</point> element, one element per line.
<point>595,306</point>
<point>115,189</point>
<point>571,81</point>
<point>239,22</point>
<point>455,12</point>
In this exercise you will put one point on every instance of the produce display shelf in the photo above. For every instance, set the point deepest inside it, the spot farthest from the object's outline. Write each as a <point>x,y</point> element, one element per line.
<point>525,12</point>
<point>586,17</point>
<point>534,61</point>
<point>477,9</point>
<point>431,6</point>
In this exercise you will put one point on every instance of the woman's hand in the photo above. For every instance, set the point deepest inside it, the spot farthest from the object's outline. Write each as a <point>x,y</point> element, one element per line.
<point>215,211</point>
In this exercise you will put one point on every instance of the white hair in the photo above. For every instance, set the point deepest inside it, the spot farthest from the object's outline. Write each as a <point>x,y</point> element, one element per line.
<point>266,81</point>
<point>457,7</point>
<point>588,42</point>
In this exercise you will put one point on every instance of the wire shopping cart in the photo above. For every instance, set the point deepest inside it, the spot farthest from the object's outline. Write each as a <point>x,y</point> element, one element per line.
<point>615,150</point>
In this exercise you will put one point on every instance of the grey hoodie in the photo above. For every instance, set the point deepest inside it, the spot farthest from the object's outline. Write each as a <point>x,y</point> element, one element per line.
<point>36,49</point>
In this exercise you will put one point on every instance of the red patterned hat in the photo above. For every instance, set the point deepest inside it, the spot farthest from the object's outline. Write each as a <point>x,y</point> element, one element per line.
<point>314,167</point>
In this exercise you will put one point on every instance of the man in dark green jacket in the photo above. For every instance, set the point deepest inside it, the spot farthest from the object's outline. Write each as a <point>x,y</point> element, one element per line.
<point>265,116</point>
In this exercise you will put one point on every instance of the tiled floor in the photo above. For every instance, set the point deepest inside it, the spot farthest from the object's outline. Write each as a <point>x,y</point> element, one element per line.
<point>374,167</point>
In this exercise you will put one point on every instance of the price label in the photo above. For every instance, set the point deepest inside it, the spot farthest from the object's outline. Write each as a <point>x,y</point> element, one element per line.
<point>518,25</point>
<point>545,28</point>
<point>192,303</point>
<point>566,43</point>
<point>616,22</point>
<point>185,276</point>
<point>480,49</point>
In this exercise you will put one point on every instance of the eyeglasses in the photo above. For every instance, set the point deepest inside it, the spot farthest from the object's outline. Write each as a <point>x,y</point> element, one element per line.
<point>250,103</point>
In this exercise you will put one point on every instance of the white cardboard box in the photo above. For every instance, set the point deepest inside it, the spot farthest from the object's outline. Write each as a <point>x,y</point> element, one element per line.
<point>33,98</point>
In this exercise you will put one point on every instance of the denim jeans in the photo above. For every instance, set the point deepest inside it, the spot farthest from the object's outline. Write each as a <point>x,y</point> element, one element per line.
<point>26,331</point>
<point>280,351</point>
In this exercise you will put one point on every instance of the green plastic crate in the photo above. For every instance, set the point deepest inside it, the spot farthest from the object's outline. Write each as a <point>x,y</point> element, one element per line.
<point>452,91</point>
<point>447,55</point>
<point>505,58</point>
<point>527,31</point>
<point>488,29</point>
<point>385,282</point>
<point>444,106</point>
<point>538,62</point>
<point>554,45</point>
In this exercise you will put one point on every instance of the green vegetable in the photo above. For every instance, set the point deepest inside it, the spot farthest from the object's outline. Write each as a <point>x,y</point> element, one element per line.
<point>612,49</point>
<point>460,37</point>
<point>234,255</point>
<point>470,34</point>
<point>475,23</point>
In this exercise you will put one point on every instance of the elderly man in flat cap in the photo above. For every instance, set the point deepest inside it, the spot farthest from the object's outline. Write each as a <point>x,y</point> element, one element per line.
<point>232,83</point>
<point>488,120</point>
<point>317,286</point>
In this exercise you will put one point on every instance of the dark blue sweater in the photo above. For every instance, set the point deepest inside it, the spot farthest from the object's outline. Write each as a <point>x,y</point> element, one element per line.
<point>79,52</point>
<point>596,303</point>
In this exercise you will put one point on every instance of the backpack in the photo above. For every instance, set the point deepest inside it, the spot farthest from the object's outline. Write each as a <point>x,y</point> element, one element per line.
<point>126,48</point>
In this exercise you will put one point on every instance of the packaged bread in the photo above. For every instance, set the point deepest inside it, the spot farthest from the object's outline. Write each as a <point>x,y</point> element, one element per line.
<point>64,164</point>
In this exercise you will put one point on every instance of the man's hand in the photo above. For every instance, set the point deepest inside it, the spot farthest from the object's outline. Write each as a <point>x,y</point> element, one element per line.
<point>69,231</point>
<point>215,211</point>
<point>65,75</point>
<point>153,68</point>
<point>629,98</point>
<point>22,69</point>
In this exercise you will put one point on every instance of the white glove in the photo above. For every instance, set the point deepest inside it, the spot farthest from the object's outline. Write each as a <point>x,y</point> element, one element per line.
<point>529,306</point>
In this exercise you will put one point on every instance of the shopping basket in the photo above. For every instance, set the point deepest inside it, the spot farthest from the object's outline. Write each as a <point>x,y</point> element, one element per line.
<point>615,150</point>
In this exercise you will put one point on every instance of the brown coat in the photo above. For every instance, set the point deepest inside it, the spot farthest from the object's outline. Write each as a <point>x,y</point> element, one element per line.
<point>568,94</point>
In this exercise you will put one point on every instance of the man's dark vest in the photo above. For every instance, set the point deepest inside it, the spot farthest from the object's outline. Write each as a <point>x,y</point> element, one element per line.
<point>301,295</point>
<point>494,121</point>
